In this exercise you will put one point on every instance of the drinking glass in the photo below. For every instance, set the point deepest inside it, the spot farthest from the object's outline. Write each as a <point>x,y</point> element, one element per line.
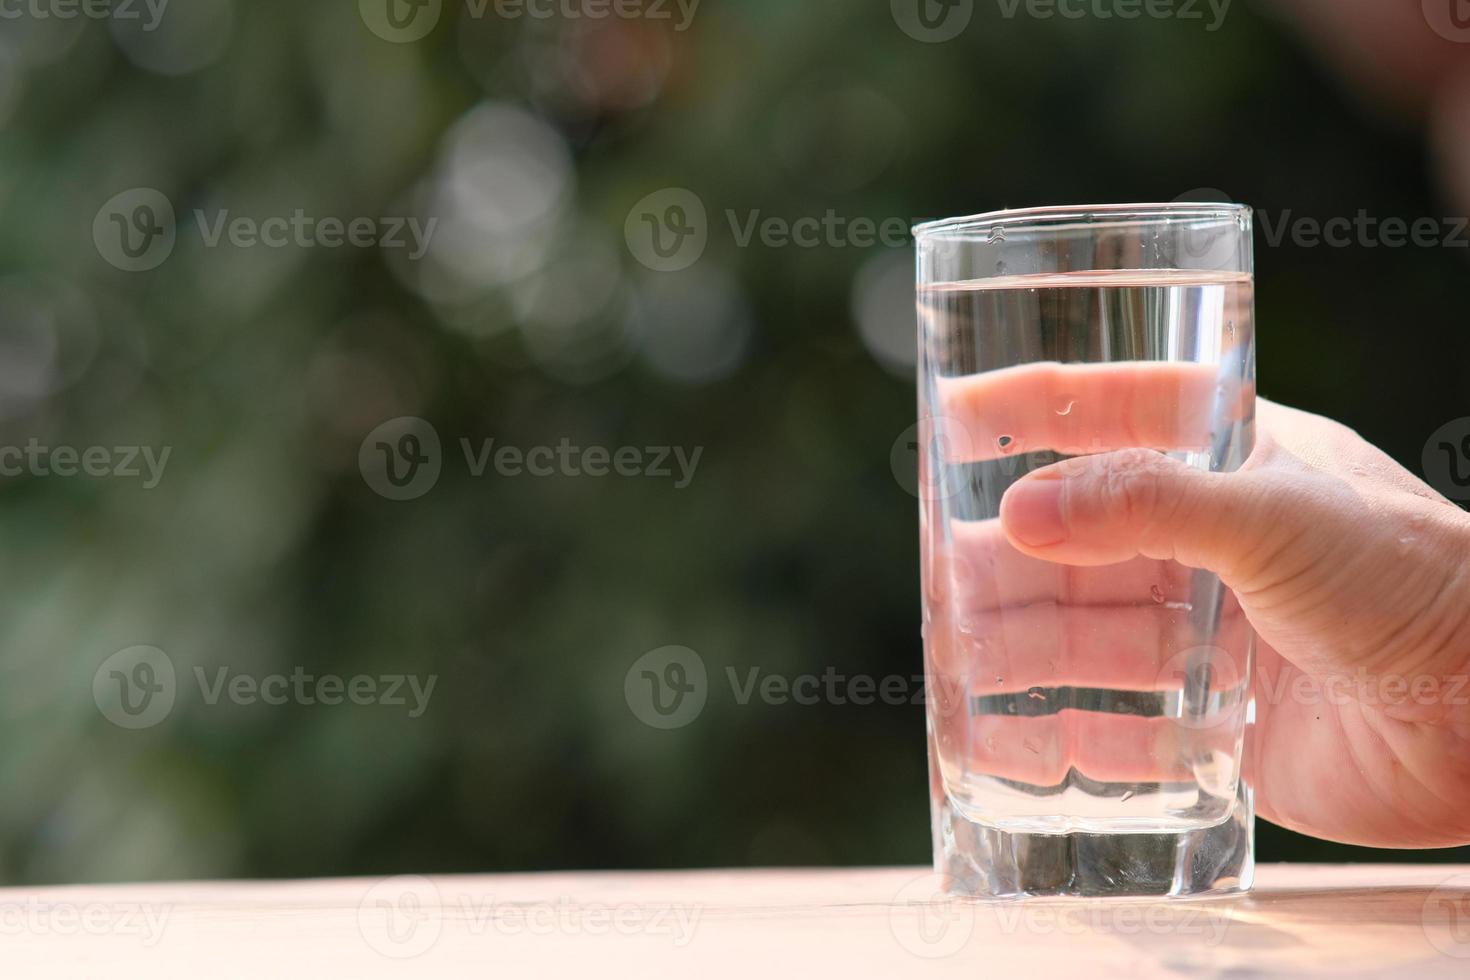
<point>1086,724</point>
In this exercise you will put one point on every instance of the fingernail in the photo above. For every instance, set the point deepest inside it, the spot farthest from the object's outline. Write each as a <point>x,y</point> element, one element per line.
<point>1032,512</point>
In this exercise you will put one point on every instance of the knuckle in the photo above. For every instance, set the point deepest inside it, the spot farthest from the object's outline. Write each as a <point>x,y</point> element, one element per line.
<point>1131,485</point>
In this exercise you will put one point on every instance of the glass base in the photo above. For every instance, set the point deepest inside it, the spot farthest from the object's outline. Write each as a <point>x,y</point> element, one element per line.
<point>985,862</point>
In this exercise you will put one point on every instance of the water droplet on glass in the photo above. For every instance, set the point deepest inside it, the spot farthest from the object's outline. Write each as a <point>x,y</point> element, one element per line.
<point>999,679</point>
<point>1126,797</point>
<point>1005,443</point>
<point>1000,267</point>
<point>1036,694</point>
<point>1157,594</point>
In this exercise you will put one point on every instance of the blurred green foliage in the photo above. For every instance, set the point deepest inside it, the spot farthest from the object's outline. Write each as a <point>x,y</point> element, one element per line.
<point>793,551</point>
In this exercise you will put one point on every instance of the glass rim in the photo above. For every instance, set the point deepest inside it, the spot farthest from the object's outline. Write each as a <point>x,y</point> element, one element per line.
<point>1068,217</point>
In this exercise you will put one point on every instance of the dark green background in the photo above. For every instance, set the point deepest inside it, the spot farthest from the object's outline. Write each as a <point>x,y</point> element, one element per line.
<point>794,550</point>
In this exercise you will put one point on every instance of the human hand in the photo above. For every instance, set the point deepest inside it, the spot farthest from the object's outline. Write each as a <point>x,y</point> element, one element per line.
<point>1355,575</point>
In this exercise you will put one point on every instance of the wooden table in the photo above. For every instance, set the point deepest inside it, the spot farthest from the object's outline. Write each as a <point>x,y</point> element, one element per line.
<point>1361,921</point>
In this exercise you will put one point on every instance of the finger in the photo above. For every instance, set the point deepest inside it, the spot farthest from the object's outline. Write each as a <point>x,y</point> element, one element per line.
<point>1102,747</point>
<point>1039,650</point>
<point>1075,409</point>
<point>1106,509</point>
<point>979,569</point>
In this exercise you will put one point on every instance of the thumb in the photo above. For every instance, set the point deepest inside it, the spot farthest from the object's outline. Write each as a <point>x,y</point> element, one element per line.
<point>1109,508</point>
